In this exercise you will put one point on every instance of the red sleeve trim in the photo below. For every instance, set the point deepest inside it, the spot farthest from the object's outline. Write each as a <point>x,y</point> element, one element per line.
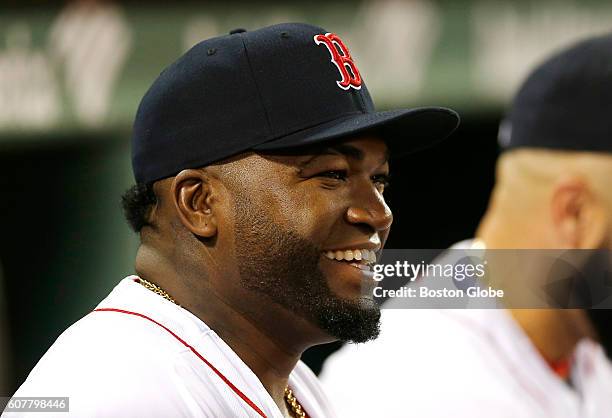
<point>194,351</point>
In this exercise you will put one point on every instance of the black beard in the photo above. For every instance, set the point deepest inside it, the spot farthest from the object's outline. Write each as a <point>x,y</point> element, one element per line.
<point>598,270</point>
<point>601,320</point>
<point>586,286</point>
<point>285,267</point>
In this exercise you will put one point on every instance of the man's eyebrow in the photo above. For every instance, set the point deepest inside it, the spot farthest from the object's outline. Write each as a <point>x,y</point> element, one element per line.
<point>342,149</point>
<point>348,150</point>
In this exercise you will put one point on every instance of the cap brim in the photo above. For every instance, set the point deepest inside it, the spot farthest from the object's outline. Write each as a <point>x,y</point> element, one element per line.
<point>405,131</point>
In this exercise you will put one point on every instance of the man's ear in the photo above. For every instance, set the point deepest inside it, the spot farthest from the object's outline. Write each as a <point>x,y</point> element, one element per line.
<point>191,192</point>
<point>578,215</point>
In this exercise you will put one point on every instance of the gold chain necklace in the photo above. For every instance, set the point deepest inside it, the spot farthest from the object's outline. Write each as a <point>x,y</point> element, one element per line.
<point>290,399</point>
<point>293,403</point>
<point>156,289</point>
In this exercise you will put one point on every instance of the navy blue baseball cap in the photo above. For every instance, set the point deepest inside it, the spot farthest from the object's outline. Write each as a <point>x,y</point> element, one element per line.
<point>275,88</point>
<point>566,102</point>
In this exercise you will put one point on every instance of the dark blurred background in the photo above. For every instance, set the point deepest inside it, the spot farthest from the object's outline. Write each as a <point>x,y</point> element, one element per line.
<point>72,74</point>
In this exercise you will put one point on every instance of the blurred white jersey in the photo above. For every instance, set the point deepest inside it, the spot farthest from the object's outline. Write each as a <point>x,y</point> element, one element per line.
<point>139,355</point>
<point>469,363</point>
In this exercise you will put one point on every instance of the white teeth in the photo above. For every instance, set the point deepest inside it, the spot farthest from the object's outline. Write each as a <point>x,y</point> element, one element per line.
<point>368,255</point>
<point>363,255</point>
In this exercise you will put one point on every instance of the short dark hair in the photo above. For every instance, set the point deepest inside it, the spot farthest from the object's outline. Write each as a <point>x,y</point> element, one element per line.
<point>136,202</point>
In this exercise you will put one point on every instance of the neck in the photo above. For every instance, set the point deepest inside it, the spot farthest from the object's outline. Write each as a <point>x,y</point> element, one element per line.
<point>554,332</point>
<point>259,336</point>
<point>261,350</point>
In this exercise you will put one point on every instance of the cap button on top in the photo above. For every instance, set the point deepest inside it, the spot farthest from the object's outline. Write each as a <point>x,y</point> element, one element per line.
<point>237,30</point>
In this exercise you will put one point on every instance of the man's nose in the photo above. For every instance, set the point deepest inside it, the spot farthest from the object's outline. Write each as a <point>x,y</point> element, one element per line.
<point>372,211</point>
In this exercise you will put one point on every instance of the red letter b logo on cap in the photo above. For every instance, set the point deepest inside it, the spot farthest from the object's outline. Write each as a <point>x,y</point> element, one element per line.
<point>341,57</point>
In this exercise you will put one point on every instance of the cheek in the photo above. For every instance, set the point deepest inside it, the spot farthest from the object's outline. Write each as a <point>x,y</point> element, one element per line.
<point>309,211</point>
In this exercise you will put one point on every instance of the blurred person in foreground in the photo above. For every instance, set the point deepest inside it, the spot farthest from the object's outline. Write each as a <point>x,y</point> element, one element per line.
<point>260,166</point>
<point>552,191</point>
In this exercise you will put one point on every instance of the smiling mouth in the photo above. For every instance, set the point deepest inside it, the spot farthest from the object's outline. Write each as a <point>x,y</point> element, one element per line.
<point>362,259</point>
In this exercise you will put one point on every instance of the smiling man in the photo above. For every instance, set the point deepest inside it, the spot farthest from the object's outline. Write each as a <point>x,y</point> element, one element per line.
<point>260,166</point>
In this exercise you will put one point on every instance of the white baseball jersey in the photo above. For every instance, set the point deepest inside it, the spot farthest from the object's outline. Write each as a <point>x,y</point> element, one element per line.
<point>139,355</point>
<point>469,363</point>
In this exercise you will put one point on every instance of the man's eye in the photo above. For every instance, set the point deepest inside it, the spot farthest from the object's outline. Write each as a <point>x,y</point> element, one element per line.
<point>382,180</point>
<point>334,174</point>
